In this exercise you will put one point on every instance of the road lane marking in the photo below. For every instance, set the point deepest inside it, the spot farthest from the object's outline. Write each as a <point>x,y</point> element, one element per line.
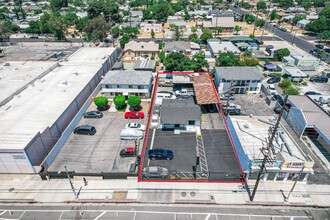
<point>100,215</point>
<point>208,216</point>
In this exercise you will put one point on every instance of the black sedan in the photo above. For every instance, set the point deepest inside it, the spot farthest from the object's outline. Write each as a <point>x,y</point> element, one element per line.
<point>274,79</point>
<point>93,114</point>
<point>279,99</point>
<point>160,154</point>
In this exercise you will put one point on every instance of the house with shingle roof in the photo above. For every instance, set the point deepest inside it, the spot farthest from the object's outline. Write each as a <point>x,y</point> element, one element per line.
<point>183,47</point>
<point>136,50</point>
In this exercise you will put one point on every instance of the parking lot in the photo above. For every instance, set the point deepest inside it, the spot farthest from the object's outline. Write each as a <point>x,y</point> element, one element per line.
<point>252,104</point>
<point>100,152</point>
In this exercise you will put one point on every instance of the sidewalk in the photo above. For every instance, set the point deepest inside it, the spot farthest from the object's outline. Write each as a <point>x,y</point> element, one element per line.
<point>30,189</point>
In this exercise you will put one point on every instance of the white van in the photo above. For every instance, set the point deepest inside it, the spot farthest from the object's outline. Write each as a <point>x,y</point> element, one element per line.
<point>131,134</point>
<point>272,90</point>
<point>161,96</point>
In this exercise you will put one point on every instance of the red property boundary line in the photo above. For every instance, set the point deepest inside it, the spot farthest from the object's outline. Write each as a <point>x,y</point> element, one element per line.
<point>223,118</point>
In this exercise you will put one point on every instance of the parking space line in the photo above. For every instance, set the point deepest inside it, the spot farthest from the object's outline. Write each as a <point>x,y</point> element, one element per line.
<point>152,142</point>
<point>3,212</point>
<point>99,216</point>
<point>21,215</point>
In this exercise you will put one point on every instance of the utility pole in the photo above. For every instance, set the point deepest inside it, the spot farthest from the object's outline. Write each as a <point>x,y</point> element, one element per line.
<point>71,184</point>
<point>276,126</point>
<point>286,198</point>
<point>254,26</point>
<point>262,167</point>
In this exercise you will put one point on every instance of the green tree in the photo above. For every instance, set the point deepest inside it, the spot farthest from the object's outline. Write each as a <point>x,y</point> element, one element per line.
<point>237,28</point>
<point>131,31</point>
<point>97,29</point>
<point>273,15</point>
<point>283,52</point>
<point>152,33</point>
<point>199,63</point>
<point>285,83</point>
<point>261,5</point>
<point>177,33</point>
<point>57,26</point>
<point>286,3</point>
<point>319,25</point>
<point>34,28</point>
<point>55,5</point>
<point>44,23</point>
<point>206,35</point>
<point>306,4</point>
<point>227,59</point>
<point>81,23</point>
<point>250,19</point>
<point>298,18</point>
<point>249,61</point>
<point>193,29</point>
<point>119,101</point>
<point>218,29</point>
<point>107,8</point>
<point>325,35</point>
<point>260,23</point>
<point>172,61</point>
<point>124,39</point>
<point>6,29</point>
<point>134,102</point>
<point>70,17</point>
<point>101,102</point>
<point>292,90</point>
<point>115,31</point>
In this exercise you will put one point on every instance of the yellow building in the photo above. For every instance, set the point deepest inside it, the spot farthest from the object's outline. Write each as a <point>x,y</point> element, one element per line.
<point>136,50</point>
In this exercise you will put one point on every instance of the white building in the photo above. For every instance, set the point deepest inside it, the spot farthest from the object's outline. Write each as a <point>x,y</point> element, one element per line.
<point>127,83</point>
<point>240,79</point>
<point>217,46</point>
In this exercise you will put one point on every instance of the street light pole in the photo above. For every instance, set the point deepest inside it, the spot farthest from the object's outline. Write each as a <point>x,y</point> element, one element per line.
<point>71,184</point>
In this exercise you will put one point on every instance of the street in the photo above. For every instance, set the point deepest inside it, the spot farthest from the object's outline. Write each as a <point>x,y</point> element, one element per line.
<point>160,212</point>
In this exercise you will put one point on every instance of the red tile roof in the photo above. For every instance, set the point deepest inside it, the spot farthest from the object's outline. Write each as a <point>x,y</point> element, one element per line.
<point>204,90</point>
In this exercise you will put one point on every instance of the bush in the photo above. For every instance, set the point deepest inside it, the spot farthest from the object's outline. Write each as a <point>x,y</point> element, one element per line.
<point>274,74</point>
<point>119,101</point>
<point>284,84</point>
<point>134,101</point>
<point>304,83</point>
<point>292,90</point>
<point>101,101</point>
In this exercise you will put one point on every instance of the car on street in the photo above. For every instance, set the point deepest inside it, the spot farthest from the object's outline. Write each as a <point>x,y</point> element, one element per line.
<point>274,79</point>
<point>271,88</point>
<point>279,99</point>
<point>138,126</point>
<point>227,96</point>
<point>155,172</point>
<point>160,154</point>
<point>93,114</point>
<point>85,130</point>
<point>134,115</point>
<point>312,93</point>
<point>319,46</point>
<point>322,79</point>
<point>127,152</point>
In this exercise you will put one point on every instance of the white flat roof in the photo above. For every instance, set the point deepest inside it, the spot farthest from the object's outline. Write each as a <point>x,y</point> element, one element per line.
<point>252,134</point>
<point>42,103</point>
<point>14,75</point>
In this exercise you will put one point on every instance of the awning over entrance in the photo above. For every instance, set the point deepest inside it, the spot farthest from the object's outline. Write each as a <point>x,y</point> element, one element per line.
<point>204,91</point>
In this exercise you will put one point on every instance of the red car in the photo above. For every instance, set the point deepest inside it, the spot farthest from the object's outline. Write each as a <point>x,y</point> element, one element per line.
<point>134,115</point>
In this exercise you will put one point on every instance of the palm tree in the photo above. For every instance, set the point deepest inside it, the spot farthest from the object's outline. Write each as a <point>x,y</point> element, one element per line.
<point>219,29</point>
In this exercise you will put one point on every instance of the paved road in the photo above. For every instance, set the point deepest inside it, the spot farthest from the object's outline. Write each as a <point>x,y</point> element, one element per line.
<point>160,212</point>
<point>287,36</point>
<point>16,40</point>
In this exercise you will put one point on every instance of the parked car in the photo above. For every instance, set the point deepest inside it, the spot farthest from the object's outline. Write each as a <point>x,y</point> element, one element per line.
<point>166,83</point>
<point>155,172</point>
<point>274,79</point>
<point>138,126</point>
<point>134,115</point>
<point>271,88</point>
<point>184,97</point>
<point>320,46</point>
<point>227,96</point>
<point>93,114</point>
<point>85,130</point>
<point>131,134</point>
<point>232,109</point>
<point>127,152</point>
<point>279,99</point>
<point>282,29</point>
<point>327,50</point>
<point>154,121</point>
<point>160,154</point>
<point>312,93</point>
<point>322,79</point>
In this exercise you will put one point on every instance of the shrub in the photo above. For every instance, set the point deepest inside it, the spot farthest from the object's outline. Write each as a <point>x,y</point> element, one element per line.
<point>274,74</point>
<point>119,101</point>
<point>292,90</point>
<point>304,83</point>
<point>101,101</point>
<point>284,84</point>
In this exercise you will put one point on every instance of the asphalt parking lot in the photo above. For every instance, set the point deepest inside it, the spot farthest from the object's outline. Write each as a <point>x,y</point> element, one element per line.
<point>252,104</point>
<point>100,152</point>
<point>183,146</point>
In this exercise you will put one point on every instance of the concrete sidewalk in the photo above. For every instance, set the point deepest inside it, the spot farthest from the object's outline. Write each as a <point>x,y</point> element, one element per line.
<point>30,189</point>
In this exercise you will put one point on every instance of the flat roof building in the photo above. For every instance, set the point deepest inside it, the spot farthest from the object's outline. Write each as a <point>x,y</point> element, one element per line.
<point>33,120</point>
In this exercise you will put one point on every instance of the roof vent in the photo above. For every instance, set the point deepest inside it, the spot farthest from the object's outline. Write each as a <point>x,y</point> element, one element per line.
<point>142,46</point>
<point>75,73</point>
<point>64,83</point>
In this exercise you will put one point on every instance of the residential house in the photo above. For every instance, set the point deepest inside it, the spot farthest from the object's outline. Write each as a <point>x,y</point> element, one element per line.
<point>302,61</point>
<point>127,83</point>
<point>177,21</point>
<point>157,28</point>
<point>302,23</point>
<point>244,79</point>
<point>293,73</point>
<point>179,114</point>
<point>136,50</point>
<point>217,46</point>
<point>183,47</point>
<point>224,20</point>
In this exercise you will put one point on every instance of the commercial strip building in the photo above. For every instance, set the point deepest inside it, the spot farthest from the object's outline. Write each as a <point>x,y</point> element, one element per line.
<point>34,119</point>
<point>284,162</point>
